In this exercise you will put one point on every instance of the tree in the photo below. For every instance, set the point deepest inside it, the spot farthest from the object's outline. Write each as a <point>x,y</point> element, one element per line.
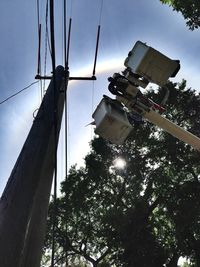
<point>190,10</point>
<point>178,181</point>
<point>136,216</point>
<point>78,233</point>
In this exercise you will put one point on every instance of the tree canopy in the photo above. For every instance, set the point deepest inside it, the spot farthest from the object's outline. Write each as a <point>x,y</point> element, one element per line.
<point>190,10</point>
<point>146,214</point>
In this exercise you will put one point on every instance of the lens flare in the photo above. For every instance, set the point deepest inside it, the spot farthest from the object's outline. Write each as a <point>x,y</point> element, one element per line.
<point>119,163</point>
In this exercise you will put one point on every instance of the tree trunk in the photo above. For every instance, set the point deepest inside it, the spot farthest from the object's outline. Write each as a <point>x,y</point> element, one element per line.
<point>95,264</point>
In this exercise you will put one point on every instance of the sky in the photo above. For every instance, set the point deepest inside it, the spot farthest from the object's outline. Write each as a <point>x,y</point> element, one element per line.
<point>122,24</point>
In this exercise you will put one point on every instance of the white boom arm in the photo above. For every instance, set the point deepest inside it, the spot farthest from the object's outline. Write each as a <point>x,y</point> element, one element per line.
<point>160,121</point>
<point>172,128</point>
<point>144,64</point>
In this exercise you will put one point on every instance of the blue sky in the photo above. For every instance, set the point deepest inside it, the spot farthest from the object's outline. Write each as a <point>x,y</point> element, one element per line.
<point>122,24</point>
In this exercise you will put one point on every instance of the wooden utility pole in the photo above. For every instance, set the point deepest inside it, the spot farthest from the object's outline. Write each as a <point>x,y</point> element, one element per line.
<point>24,203</point>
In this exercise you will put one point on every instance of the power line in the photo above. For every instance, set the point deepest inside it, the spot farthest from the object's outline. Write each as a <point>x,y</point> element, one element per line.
<point>100,12</point>
<point>39,36</point>
<point>65,34</point>
<point>92,109</point>
<point>46,42</point>
<point>53,59</point>
<point>38,14</point>
<point>66,56</point>
<point>98,36</point>
<point>17,93</point>
<point>68,136</point>
<point>71,9</point>
<point>39,26</point>
<point>53,56</point>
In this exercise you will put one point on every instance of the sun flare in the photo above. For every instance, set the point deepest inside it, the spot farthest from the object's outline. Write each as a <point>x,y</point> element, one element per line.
<point>119,163</point>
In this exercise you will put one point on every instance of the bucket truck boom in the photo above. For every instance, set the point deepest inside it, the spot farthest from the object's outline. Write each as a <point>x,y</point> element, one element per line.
<point>114,118</point>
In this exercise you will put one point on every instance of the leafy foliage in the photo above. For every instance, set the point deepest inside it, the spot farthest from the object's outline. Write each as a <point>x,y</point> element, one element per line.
<point>190,10</point>
<point>146,214</point>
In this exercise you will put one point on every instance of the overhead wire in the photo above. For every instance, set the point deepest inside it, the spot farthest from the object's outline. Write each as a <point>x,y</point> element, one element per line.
<point>62,150</point>
<point>71,9</point>
<point>66,73</point>
<point>67,45</point>
<point>17,93</point>
<point>68,135</point>
<point>39,45</point>
<point>92,109</point>
<point>67,39</point>
<point>65,34</point>
<point>39,36</point>
<point>101,11</point>
<point>98,36</point>
<point>66,63</point>
<point>38,13</point>
<point>95,59</point>
<point>66,48</point>
<point>47,44</point>
<point>53,59</point>
<point>62,41</point>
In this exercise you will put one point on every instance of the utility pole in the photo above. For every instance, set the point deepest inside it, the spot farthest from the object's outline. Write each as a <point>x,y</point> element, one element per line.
<point>24,203</point>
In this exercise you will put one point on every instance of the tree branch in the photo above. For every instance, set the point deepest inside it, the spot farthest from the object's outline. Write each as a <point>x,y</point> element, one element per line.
<point>103,255</point>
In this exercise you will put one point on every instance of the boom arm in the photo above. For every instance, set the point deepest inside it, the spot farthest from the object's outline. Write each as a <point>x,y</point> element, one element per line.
<point>172,128</point>
<point>144,64</point>
<point>162,122</point>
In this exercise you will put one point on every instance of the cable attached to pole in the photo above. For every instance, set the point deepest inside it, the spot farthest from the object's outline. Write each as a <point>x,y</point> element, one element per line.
<point>52,36</point>
<point>39,26</point>
<point>39,38</point>
<point>66,60</point>
<point>17,93</point>
<point>66,72</point>
<point>65,34</point>
<point>55,128</point>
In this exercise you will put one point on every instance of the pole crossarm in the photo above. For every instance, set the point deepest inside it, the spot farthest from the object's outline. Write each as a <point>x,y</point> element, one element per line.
<point>93,78</point>
<point>78,78</point>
